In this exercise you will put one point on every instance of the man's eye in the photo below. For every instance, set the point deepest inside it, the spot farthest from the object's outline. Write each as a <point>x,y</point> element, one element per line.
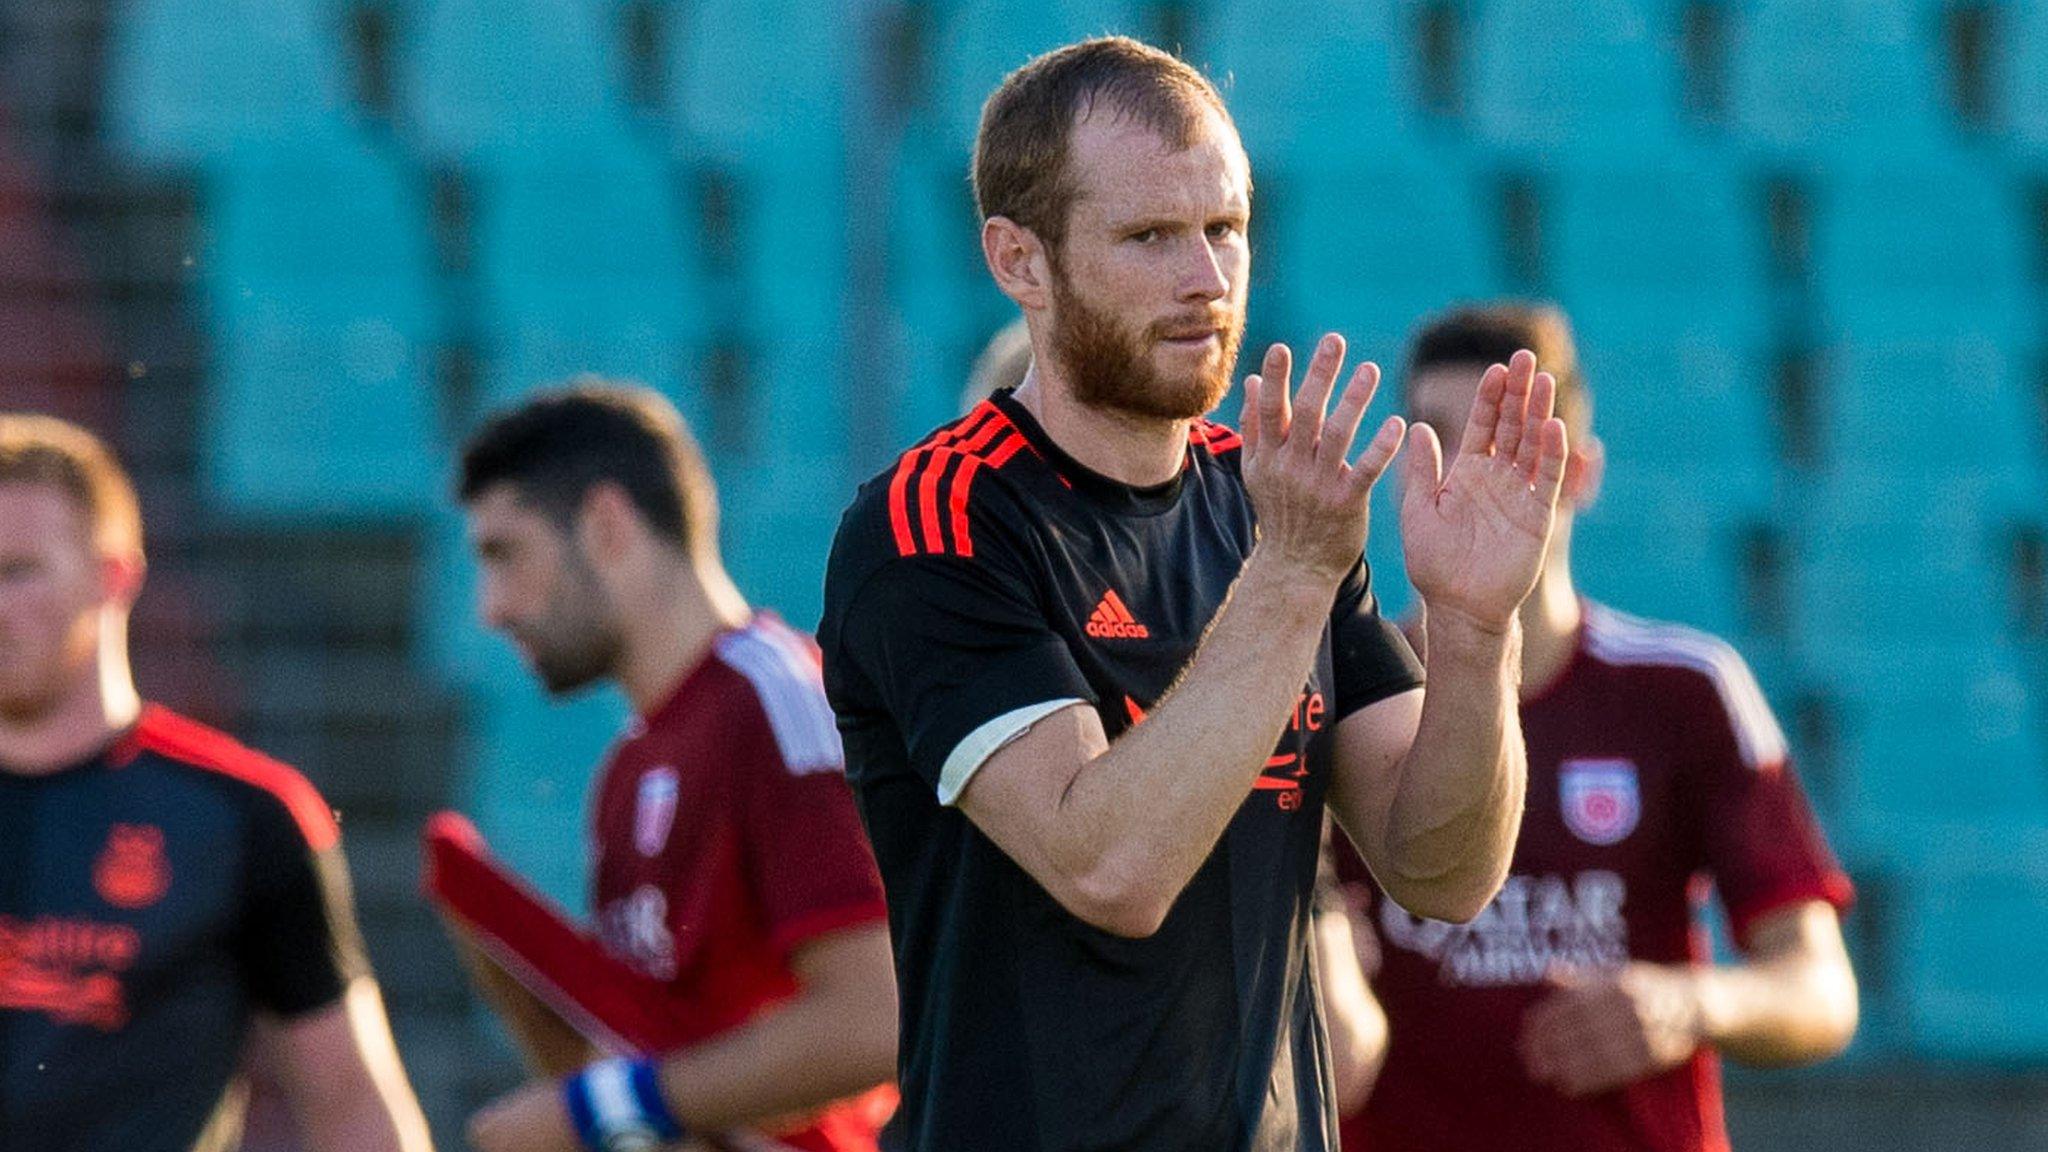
<point>1147,235</point>
<point>1222,230</point>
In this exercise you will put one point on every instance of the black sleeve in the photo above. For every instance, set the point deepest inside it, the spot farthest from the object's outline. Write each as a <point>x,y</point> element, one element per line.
<point>1373,660</point>
<point>299,945</point>
<point>948,644</point>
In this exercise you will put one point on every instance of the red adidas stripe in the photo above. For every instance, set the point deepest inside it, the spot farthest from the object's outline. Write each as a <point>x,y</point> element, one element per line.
<point>928,497</point>
<point>957,503</point>
<point>985,439</point>
<point>963,483</point>
<point>963,486</point>
<point>173,736</point>
<point>899,485</point>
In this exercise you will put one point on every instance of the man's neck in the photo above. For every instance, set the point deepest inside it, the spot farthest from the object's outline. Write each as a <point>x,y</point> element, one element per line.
<point>80,722</point>
<point>1132,450</point>
<point>673,631</point>
<point>1550,618</point>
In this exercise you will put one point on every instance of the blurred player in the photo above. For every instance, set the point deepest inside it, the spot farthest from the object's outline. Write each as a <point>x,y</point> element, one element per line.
<point>166,895</point>
<point>1003,364</point>
<point>1580,1011</point>
<point>729,860</point>
<point>1096,790</point>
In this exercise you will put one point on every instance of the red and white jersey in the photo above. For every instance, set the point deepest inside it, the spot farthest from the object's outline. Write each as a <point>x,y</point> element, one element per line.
<point>1657,775</point>
<point>725,837</point>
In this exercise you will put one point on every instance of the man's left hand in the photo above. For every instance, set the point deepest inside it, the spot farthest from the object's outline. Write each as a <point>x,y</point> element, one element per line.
<point>529,1119</point>
<point>1474,535</point>
<point>1600,1031</point>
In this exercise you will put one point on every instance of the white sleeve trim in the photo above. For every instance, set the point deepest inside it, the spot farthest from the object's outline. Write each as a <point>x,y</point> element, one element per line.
<point>974,750</point>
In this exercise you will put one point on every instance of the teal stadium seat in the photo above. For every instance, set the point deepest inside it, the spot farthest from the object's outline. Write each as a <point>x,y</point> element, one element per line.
<point>1923,248</point>
<point>1935,734</point>
<point>762,81</point>
<point>1608,86</point>
<point>935,240</point>
<point>1312,82</point>
<point>484,77</point>
<point>939,285</point>
<point>1664,252</point>
<point>1687,437</point>
<point>1962,410</point>
<point>1657,554</point>
<point>1813,82</point>
<point>790,233</point>
<point>319,397</point>
<point>1366,248</point>
<point>532,764</point>
<point>585,261</point>
<point>1901,560</point>
<point>190,80</point>
<point>450,643</point>
<point>757,95</point>
<point>2022,69</point>
<point>1971,938</point>
<point>975,43</point>
<point>1697,416</point>
<point>801,408</point>
<point>780,508</point>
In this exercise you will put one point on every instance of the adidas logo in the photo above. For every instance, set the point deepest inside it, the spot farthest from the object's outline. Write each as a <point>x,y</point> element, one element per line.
<point>1112,621</point>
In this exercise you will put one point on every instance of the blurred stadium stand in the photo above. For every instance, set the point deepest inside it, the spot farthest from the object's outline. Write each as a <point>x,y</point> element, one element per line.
<point>288,252</point>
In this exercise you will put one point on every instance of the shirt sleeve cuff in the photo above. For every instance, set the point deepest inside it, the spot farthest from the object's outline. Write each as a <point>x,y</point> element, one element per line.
<point>974,750</point>
<point>1831,888</point>
<point>801,930</point>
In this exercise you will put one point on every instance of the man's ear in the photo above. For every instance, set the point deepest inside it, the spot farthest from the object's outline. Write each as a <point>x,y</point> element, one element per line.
<point>606,522</point>
<point>121,576</point>
<point>1018,260</point>
<point>1584,468</point>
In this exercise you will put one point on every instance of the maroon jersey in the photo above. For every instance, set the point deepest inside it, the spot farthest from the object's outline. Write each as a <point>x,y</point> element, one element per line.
<point>725,837</point>
<point>1657,775</point>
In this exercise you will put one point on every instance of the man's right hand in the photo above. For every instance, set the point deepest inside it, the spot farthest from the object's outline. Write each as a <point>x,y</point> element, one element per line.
<point>1313,506</point>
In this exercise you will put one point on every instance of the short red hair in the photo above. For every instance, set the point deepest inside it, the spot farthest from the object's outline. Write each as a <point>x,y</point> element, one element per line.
<point>58,453</point>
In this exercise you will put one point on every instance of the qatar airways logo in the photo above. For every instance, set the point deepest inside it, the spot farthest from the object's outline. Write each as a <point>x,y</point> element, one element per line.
<point>635,929</point>
<point>1535,925</point>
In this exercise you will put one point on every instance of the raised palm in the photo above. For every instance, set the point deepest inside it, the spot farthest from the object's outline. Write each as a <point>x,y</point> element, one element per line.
<point>1474,536</point>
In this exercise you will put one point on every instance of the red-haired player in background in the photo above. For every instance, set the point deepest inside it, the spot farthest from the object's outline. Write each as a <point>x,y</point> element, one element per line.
<point>1581,1011</point>
<point>168,898</point>
<point>729,862</point>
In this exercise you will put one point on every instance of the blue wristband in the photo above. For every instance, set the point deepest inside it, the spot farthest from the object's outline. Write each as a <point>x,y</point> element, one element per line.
<point>616,1106</point>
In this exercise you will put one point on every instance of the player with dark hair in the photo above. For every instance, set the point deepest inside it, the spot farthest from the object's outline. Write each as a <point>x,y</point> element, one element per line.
<point>168,898</point>
<point>1100,665</point>
<point>729,862</point>
<point>1581,1010</point>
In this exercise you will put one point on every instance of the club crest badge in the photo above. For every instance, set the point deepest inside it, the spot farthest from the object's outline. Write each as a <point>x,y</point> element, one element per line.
<point>132,871</point>
<point>1601,799</point>
<point>654,810</point>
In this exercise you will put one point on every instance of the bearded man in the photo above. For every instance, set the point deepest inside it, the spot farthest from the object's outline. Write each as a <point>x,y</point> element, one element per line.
<point>1100,664</point>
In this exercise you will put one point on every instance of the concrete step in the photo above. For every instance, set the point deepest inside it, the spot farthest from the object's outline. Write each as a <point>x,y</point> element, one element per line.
<point>413,958</point>
<point>288,585</point>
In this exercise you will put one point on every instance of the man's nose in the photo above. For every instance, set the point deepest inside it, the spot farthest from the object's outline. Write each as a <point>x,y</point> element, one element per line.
<point>1205,277</point>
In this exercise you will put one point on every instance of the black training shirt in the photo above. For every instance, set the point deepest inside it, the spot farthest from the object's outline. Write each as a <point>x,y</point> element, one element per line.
<point>152,898</point>
<point>984,580</point>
